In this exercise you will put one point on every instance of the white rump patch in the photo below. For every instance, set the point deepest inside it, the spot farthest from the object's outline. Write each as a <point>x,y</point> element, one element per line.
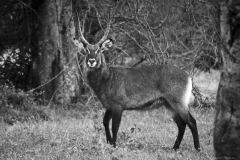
<point>188,93</point>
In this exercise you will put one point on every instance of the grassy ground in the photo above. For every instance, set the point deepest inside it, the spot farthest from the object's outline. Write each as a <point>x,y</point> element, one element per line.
<point>142,135</point>
<point>79,134</point>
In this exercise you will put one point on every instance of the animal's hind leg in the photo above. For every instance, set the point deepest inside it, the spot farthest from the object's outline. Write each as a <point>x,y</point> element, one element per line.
<point>178,108</point>
<point>191,122</point>
<point>181,129</point>
<point>106,119</point>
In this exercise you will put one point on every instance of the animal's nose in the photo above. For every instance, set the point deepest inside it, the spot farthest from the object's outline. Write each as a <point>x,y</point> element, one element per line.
<point>91,61</point>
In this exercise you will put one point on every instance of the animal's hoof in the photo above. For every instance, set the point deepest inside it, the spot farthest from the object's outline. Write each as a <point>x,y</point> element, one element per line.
<point>114,144</point>
<point>109,140</point>
<point>175,148</point>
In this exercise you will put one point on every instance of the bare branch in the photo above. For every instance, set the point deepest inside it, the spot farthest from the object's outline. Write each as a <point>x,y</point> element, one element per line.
<point>133,38</point>
<point>105,34</point>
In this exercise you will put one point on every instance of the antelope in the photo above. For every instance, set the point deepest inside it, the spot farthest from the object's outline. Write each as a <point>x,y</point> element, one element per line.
<point>136,88</point>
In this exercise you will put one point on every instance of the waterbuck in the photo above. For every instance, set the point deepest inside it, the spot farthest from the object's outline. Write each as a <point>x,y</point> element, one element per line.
<point>136,88</point>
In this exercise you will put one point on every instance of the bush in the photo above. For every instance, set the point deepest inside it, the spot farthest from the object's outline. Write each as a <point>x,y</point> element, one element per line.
<point>200,100</point>
<point>19,106</point>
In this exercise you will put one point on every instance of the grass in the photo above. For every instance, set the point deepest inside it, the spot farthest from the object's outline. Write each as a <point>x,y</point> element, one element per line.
<point>73,133</point>
<point>142,135</point>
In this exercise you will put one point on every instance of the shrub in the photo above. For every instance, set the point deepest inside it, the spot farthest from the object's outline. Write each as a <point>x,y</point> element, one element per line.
<point>17,105</point>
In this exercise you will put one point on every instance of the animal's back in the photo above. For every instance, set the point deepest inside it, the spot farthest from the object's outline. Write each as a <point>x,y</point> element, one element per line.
<point>133,87</point>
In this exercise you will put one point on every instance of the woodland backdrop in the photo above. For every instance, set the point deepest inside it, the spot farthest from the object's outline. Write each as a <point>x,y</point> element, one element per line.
<point>38,59</point>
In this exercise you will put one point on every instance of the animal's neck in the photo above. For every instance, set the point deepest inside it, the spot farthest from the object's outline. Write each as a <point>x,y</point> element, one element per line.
<point>98,77</point>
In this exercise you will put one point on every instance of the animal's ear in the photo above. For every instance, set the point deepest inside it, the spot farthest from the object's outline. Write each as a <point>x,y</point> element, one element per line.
<point>77,43</point>
<point>107,44</point>
<point>80,46</point>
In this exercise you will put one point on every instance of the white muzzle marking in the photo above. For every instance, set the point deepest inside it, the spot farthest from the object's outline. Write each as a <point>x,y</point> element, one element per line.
<point>92,62</point>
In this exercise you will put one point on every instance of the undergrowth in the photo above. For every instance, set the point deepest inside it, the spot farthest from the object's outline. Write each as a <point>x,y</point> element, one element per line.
<point>19,106</point>
<point>75,131</point>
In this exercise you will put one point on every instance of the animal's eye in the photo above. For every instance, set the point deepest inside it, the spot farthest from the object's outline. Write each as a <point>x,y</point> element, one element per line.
<point>99,50</point>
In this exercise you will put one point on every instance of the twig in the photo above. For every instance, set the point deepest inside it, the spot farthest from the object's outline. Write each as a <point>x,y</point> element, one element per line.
<point>183,54</point>
<point>89,99</point>
<point>134,40</point>
<point>154,36</point>
<point>180,42</point>
<point>115,58</point>
<point>28,6</point>
<point>140,61</point>
<point>53,96</point>
<point>56,76</point>
<point>121,50</point>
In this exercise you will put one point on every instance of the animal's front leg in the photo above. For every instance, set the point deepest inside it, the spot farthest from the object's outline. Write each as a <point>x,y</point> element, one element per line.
<point>116,119</point>
<point>106,119</point>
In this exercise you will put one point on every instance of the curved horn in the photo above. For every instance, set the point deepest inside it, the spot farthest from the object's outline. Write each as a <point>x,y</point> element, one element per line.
<point>82,37</point>
<point>105,34</point>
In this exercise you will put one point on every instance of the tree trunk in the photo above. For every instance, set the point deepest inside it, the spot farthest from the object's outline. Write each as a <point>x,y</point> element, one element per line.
<point>227,120</point>
<point>54,64</point>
